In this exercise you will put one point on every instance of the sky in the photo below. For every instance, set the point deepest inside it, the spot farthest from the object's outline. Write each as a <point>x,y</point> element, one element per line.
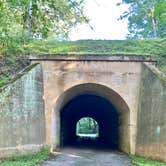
<point>103,15</point>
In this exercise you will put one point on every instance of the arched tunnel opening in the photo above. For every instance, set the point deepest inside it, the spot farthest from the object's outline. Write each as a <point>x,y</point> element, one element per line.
<point>87,131</point>
<point>97,108</point>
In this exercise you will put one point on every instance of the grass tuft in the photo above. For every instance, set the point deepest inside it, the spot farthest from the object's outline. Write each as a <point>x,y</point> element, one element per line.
<point>27,160</point>
<point>140,161</point>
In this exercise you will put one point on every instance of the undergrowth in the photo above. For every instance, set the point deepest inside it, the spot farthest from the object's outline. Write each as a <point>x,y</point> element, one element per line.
<point>140,161</point>
<point>17,51</point>
<point>27,160</point>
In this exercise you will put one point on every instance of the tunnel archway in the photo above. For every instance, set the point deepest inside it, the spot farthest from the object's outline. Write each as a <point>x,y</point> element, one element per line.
<point>103,104</point>
<point>87,126</point>
<point>95,107</point>
<point>87,132</point>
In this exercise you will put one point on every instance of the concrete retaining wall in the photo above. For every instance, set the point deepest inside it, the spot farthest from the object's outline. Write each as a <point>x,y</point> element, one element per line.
<point>22,119</point>
<point>151,132</point>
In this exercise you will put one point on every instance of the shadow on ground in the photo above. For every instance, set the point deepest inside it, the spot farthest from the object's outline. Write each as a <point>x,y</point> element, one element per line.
<point>87,154</point>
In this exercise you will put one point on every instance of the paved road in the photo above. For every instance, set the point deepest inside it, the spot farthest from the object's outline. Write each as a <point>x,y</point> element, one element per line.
<point>87,157</point>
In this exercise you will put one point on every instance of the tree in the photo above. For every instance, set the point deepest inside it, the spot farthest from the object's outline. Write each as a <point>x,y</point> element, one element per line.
<point>38,18</point>
<point>42,17</point>
<point>147,18</point>
<point>7,22</point>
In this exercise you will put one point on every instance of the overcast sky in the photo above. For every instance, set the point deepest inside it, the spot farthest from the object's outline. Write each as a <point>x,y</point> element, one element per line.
<point>103,15</point>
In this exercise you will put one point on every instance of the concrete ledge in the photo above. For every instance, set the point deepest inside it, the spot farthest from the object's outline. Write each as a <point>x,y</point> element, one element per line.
<point>92,57</point>
<point>19,150</point>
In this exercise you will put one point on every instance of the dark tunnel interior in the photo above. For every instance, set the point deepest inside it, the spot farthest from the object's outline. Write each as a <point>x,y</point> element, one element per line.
<point>96,107</point>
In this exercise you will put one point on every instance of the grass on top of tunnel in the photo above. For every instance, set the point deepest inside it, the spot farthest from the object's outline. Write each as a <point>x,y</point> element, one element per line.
<point>146,47</point>
<point>141,161</point>
<point>27,160</point>
<point>128,47</point>
<point>15,55</point>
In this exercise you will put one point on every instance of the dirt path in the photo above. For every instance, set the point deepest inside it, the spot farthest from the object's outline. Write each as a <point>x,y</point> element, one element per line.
<point>87,157</point>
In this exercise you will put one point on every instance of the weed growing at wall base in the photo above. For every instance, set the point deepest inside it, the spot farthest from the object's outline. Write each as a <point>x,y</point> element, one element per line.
<point>141,161</point>
<point>27,160</point>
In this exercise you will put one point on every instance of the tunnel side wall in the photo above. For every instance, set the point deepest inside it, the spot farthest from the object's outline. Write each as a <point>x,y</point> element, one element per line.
<point>151,132</point>
<point>22,123</point>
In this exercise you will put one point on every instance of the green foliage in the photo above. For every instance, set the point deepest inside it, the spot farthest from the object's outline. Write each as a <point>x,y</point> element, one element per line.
<point>16,53</point>
<point>4,79</point>
<point>6,19</point>
<point>147,18</point>
<point>22,21</point>
<point>155,48</point>
<point>37,19</point>
<point>140,161</point>
<point>27,160</point>
<point>128,47</point>
<point>87,126</point>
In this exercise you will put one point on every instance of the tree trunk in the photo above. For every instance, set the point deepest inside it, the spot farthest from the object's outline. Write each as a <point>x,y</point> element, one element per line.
<point>154,24</point>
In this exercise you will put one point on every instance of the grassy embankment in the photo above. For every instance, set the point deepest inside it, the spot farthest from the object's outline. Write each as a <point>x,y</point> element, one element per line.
<point>13,61</point>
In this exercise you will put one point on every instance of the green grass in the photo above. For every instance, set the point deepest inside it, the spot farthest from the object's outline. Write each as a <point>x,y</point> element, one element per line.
<point>140,161</point>
<point>155,48</point>
<point>150,47</point>
<point>4,79</point>
<point>141,47</point>
<point>27,160</point>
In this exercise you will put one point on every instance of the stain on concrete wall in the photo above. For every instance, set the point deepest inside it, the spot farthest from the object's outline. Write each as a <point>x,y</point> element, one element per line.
<point>123,78</point>
<point>151,133</point>
<point>22,119</point>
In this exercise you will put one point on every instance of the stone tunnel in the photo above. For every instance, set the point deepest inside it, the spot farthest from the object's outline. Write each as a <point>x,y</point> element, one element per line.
<point>44,104</point>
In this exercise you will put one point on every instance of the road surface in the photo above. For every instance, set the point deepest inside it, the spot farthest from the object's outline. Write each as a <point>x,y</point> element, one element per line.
<point>87,157</point>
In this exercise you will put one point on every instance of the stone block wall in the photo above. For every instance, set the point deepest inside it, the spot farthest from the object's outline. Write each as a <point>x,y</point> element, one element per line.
<point>22,118</point>
<point>151,131</point>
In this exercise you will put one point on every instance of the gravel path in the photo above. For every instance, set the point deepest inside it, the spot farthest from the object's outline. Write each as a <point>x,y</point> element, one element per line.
<point>87,157</point>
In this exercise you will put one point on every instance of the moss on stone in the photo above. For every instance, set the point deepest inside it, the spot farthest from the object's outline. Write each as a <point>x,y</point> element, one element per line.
<point>18,76</point>
<point>160,75</point>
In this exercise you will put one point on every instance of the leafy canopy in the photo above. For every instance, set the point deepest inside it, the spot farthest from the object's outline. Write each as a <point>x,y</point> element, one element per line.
<point>147,18</point>
<point>38,18</point>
